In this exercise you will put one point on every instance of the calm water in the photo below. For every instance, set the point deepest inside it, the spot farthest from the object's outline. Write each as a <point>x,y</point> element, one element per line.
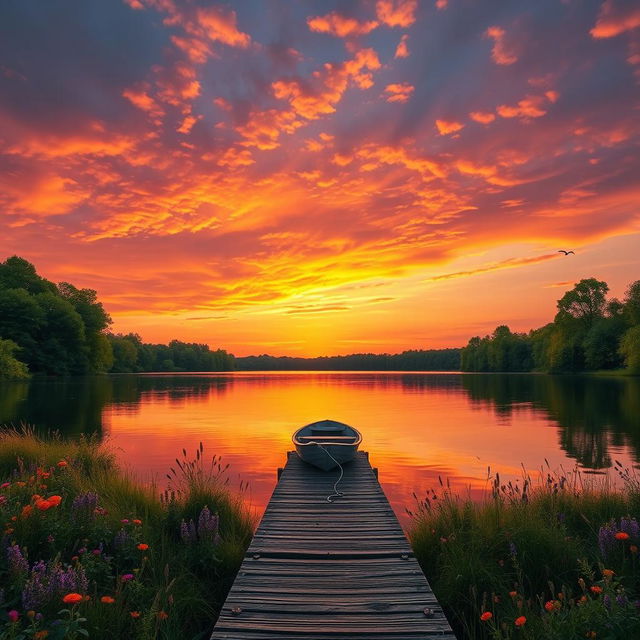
<point>417,427</point>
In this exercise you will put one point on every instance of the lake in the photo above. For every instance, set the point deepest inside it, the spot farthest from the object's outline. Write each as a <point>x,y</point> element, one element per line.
<point>420,428</point>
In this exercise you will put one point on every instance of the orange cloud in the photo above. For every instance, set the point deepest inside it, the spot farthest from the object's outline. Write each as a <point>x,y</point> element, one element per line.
<point>441,4</point>
<point>220,24</point>
<point>263,128</point>
<point>396,13</point>
<point>445,127</point>
<point>312,100</point>
<point>614,20</point>
<point>529,107</point>
<point>340,26</point>
<point>500,52</point>
<point>399,92</point>
<point>483,117</point>
<point>509,263</point>
<point>402,50</point>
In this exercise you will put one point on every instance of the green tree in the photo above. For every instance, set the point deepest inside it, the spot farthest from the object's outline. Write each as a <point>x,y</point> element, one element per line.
<point>585,302</point>
<point>601,343</point>
<point>21,319</point>
<point>10,367</point>
<point>630,349</point>
<point>17,273</point>
<point>632,303</point>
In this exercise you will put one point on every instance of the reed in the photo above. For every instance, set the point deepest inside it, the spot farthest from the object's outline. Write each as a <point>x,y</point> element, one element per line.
<point>554,557</point>
<point>141,563</point>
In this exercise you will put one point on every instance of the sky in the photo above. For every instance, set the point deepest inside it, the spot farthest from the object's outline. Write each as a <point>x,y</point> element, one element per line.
<point>322,177</point>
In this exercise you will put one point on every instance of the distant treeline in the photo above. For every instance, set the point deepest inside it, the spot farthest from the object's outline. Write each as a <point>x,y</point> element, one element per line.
<point>58,329</point>
<point>431,360</point>
<point>589,333</point>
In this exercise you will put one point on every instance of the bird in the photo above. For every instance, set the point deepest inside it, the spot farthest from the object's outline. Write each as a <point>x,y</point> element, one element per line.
<point>566,253</point>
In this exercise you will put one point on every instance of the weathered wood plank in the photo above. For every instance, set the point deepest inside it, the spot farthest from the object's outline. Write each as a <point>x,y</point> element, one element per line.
<point>319,570</point>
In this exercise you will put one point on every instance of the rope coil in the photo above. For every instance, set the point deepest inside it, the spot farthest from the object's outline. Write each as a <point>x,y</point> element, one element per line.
<point>336,492</point>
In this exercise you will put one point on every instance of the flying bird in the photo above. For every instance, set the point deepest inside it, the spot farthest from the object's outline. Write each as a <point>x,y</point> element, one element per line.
<point>566,253</point>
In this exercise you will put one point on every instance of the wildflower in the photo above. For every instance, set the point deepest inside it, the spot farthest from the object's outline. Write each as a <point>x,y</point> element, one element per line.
<point>513,594</point>
<point>606,601</point>
<point>127,577</point>
<point>72,598</point>
<point>590,634</point>
<point>622,535</point>
<point>4,485</point>
<point>125,521</point>
<point>55,500</point>
<point>62,464</point>
<point>487,615</point>
<point>596,589</point>
<point>519,622</point>
<point>43,505</point>
<point>35,497</point>
<point>162,615</point>
<point>608,573</point>
<point>633,548</point>
<point>40,635</point>
<point>622,600</point>
<point>143,547</point>
<point>13,615</point>
<point>137,522</point>
<point>582,600</point>
<point>31,614</point>
<point>20,483</point>
<point>26,511</point>
<point>107,599</point>
<point>134,614</point>
<point>549,607</point>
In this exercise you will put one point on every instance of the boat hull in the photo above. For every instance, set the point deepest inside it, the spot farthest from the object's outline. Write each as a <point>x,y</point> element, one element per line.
<point>318,457</point>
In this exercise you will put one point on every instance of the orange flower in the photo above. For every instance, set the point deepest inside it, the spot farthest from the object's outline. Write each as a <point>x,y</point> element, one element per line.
<point>487,615</point>
<point>72,598</point>
<point>54,500</point>
<point>43,505</point>
<point>35,497</point>
<point>162,615</point>
<point>40,635</point>
<point>134,614</point>
<point>20,483</point>
<point>136,521</point>
<point>591,634</point>
<point>519,622</point>
<point>633,548</point>
<point>26,511</point>
<point>513,594</point>
<point>608,573</point>
<point>596,589</point>
<point>621,535</point>
<point>143,547</point>
<point>549,606</point>
<point>63,463</point>
<point>107,599</point>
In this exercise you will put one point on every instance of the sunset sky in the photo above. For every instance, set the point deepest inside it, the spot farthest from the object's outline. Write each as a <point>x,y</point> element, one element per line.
<point>323,177</point>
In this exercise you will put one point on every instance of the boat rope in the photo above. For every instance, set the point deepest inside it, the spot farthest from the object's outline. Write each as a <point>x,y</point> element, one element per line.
<point>336,492</point>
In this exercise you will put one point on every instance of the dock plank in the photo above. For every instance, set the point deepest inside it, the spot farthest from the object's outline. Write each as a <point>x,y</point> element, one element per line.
<point>324,571</point>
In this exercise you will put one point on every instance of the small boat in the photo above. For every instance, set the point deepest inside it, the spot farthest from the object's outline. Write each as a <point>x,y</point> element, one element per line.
<point>326,444</point>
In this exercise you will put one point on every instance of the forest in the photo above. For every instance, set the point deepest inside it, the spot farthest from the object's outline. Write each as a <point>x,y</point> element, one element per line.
<point>58,329</point>
<point>588,333</point>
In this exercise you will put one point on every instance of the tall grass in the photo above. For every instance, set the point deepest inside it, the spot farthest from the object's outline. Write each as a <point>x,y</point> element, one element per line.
<point>147,564</point>
<point>528,560</point>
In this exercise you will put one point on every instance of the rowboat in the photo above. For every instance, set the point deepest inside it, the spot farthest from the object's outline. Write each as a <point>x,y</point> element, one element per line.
<point>327,444</point>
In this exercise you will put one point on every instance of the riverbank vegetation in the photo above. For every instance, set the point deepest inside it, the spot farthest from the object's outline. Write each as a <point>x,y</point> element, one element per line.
<point>589,333</point>
<point>556,558</point>
<point>85,547</point>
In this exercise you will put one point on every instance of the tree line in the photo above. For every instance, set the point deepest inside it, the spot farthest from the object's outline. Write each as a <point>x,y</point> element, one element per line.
<point>414,360</point>
<point>58,329</point>
<point>588,333</point>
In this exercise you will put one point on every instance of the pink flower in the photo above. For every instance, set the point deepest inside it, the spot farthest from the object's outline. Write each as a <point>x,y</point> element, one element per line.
<point>4,485</point>
<point>127,577</point>
<point>13,615</point>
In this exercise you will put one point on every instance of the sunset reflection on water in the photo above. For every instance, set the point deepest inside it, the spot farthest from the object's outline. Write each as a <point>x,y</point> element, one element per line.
<point>420,429</point>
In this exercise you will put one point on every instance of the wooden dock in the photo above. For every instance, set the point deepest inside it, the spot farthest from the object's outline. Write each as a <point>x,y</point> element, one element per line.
<point>317,570</point>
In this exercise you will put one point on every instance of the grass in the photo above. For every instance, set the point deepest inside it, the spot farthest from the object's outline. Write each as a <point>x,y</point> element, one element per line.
<point>535,559</point>
<point>143,564</point>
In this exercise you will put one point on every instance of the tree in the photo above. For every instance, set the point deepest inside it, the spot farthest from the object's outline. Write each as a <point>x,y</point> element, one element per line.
<point>585,302</point>
<point>630,349</point>
<point>17,273</point>
<point>632,303</point>
<point>10,367</point>
<point>601,344</point>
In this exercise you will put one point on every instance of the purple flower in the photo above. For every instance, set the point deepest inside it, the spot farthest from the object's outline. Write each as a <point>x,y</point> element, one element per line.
<point>205,531</point>
<point>18,564</point>
<point>84,507</point>
<point>127,577</point>
<point>513,551</point>
<point>49,582</point>
<point>622,600</point>
<point>606,601</point>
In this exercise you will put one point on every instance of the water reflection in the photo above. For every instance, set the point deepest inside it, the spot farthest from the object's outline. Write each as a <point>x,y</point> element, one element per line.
<point>417,427</point>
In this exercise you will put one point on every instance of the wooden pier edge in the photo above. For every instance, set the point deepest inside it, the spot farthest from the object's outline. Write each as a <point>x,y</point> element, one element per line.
<point>319,570</point>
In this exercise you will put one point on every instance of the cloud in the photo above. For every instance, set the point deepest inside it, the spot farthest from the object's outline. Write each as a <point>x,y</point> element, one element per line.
<point>615,19</point>
<point>399,92</point>
<point>483,117</point>
<point>509,263</point>
<point>396,13</point>
<point>527,108</point>
<point>445,127</point>
<point>340,26</point>
<point>500,52</point>
<point>402,50</point>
